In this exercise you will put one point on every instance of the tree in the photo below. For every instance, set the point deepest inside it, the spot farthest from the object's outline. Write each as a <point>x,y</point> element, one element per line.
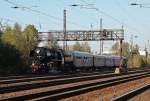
<point>82,47</point>
<point>137,61</point>
<point>17,33</point>
<point>135,49</point>
<point>16,46</point>
<point>85,47</point>
<point>1,33</point>
<point>8,37</point>
<point>13,36</point>
<point>125,49</point>
<point>9,59</point>
<point>115,48</point>
<point>1,37</point>
<point>77,46</point>
<point>132,53</point>
<point>52,43</point>
<point>29,40</point>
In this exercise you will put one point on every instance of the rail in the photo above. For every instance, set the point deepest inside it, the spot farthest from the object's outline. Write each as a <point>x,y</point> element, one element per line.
<point>132,93</point>
<point>60,93</point>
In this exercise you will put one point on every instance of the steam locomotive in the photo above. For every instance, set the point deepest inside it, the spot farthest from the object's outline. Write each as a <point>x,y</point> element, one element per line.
<point>52,60</point>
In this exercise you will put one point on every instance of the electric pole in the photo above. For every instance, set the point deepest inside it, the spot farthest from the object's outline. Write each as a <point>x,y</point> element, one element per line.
<point>146,53</point>
<point>131,49</point>
<point>101,41</point>
<point>65,42</point>
<point>121,41</point>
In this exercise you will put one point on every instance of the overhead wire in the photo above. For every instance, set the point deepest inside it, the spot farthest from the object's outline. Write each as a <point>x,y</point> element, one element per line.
<point>113,18</point>
<point>40,12</point>
<point>84,1</point>
<point>31,10</point>
<point>28,8</point>
<point>128,15</point>
<point>91,17</point>
<point>102,12</point>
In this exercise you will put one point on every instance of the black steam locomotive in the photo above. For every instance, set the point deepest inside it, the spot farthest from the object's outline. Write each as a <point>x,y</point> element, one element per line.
<point>54,60</point>
<point>44,59</point>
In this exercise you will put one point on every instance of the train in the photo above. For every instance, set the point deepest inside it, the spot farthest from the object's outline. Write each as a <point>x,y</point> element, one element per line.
<point>58,60</point>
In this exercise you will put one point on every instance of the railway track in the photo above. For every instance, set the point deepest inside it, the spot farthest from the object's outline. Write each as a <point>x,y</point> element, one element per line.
<point>7,88</point>
<point>67,88</point>
<point>34,76</point>
<point>27,78</point>
<point>131,93</point>
<point>7,80</point>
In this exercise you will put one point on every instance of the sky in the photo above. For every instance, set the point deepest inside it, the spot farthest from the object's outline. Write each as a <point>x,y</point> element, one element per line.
<point>115,14</point>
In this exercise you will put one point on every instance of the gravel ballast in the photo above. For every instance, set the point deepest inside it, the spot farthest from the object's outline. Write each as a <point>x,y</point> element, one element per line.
<point>108,93</point>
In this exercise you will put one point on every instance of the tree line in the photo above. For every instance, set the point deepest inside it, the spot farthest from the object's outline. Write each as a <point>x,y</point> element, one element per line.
<point>15,46</point>
<point>132,54</point>
<point>82,47</point>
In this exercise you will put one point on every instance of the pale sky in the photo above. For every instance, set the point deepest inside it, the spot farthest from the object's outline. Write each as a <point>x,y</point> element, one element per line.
<point>115,13</point>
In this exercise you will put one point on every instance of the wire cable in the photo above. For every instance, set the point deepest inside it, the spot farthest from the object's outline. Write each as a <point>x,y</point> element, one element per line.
<point>41,13</point>
<point>130,16</point>
<point>113,18</point>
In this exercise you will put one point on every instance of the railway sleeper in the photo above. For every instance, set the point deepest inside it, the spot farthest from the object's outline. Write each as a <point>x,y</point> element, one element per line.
<point>75,90</point>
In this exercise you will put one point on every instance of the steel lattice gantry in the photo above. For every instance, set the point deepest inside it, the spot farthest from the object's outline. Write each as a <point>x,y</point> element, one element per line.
<point>82,35</point>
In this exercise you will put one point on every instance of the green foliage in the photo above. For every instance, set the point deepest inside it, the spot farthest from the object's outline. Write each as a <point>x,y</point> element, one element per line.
<point>9,57</point>
<point>137,61</point>
<point>8,37</point>
<point>29,41</point>
<point>125,49</point>
<point>132,53</point>
<point>115,48</point>
<point>135,49</point>
<point>148,60</point>
<point>85,47</point>
<point>53,43</point>
<point>15,46</point>
<point>17,33</point>
<point>77,46</point>
<point>82,47</point>
<point>1,33</point>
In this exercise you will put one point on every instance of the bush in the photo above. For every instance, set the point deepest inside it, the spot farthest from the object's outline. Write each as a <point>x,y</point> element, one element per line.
<point>137,61</point>
<point>10,61</point>
<point>148,61</point>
